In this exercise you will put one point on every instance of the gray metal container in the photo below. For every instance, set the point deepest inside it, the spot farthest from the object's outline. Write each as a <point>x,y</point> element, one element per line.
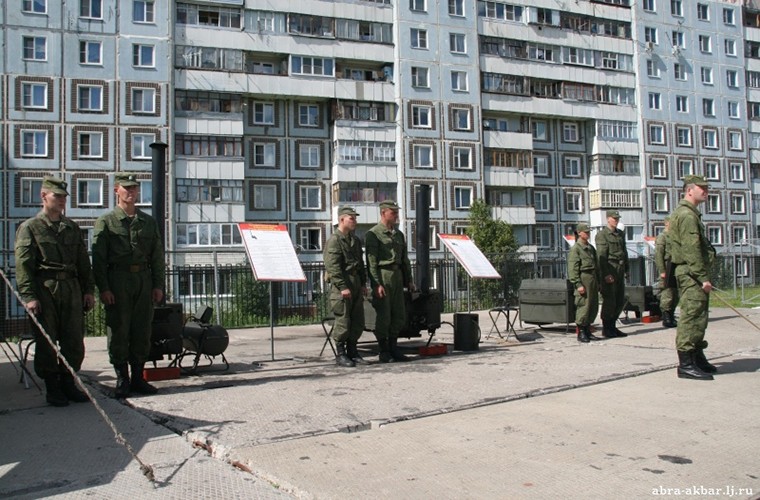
<point>547,300</point>
<point>641,299</point>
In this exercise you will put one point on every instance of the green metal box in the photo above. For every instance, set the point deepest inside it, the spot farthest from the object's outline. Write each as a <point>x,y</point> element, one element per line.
<point>547,300</point>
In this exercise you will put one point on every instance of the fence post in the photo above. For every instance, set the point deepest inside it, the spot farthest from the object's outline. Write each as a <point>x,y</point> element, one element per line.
<point>217,302</point>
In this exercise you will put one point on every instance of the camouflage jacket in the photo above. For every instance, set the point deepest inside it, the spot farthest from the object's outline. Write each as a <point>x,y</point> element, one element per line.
<point>612,251</point>
<point>689,244</point>
<point>343,258</point>
<point>582,259</point>
<point>385,248</point>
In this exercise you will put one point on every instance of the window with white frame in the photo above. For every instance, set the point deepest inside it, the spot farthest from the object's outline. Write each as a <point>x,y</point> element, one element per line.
<point>575,55</point>
<point>710,139</point>
<point>739,234</point>
<point>422,116</point>
<point>708,107</point>
<point>659,168</point>
<point>309,156</point>
<point>732,109</point>
<point>34,95</point>
<point>737,172</point>
<point>730,47</point>
<point>541,201</point>
<point>143,11</point>
<point>648,5</point>
<point>141,146</point>
<point>418,5</point>
<point>543,237</point>
<point>264,197</point>
<point>654,100</point>
<point>735,140</point>
<point>463,158</point>
<point>207,235</point>
<point>456,8</point>
<point>570,132</point>
<point>738,203</point>
<point>263,113</point>
<point>656,134</point>
<point>144,193</point>
<point>423,155</point>
<point>461,119</point>
<point>676,8</point>
<point>713,203</point>
<point>572,166</point>
<point>30,192</point>
<point>90,52</point>
<point>264,154</point>
<point>679,71</point>
<point>462,197</point>
<point>677,39</point>
<point>541,165</point>
<point>660,202</point>
<point>34,143</point>
<point>540,130</point>
<point>685,167</point>
<point>459,81</point>
<point>419,38</point>
<point>89,192</point>
<point>34,48</point>
<point>573,202</point>
<point>90,98</point>
<point>683,136</point>
<point>729,16</point>
<point>682,104</point>
<point>91,9</point>
<point>34,6</point>
<point>707,75</point>
<point>715,235</point>
<point>310,238</point>
<point>90,145</point>
<point>457,43</point>
<point>653,69</point>
<point>316,66</point>
<point>420,77</point>
<point>712,170</point>
<point>308,115</point>
<point>143,56</point>
<point>703,12</point>
<point>310,197</point>
<point>705,44</point>
<point>143,100</point>
<point>650,35</point>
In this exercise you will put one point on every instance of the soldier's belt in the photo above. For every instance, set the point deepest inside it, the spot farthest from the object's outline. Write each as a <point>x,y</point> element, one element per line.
<point>129,268</point>
<point>391,267</point>
<point>57,275</point>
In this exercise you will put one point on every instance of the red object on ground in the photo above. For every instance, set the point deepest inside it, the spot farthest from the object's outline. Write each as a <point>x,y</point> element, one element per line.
<point>168,373</point>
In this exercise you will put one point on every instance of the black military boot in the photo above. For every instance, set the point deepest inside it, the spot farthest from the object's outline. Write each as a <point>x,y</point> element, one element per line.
<point>590,335</point>
<point>396,353</point>
<point>668,320</point>
<point>618,332</point>
<point>385,352</point>
<point>687,368</point>
<point>701,361</point>
<point>341,358</point>
<point>122,381</point>
<point>583,334</point>
<point>138,383</point>
<point>53,392</point>
<point>608,329</point>
<point>71,390</point>
<point>353,353</point>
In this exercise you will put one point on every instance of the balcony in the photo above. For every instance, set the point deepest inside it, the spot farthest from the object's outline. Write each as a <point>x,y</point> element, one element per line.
<point>507,140</point>
<point>509,176</point>
<point>230,124</point>
<point>515,215</point>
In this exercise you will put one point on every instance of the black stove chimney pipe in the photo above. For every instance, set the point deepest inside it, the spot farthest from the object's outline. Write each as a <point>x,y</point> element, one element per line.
<point>423,238</point>
<point>158,157</point>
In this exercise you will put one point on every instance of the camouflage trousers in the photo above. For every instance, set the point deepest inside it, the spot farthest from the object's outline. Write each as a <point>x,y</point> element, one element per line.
<point>692,323</point>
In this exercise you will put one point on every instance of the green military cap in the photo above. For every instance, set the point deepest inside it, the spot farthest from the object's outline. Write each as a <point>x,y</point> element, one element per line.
<point>582,228</point>
<point>389,204</point>
<point>345,210</point>
<point>613,213</point>
<point>126,179</point>
<point>54,185</point>
<point>697,180</point>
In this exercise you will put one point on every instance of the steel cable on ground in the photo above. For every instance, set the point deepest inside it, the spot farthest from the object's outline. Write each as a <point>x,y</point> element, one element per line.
<point>146,469</point>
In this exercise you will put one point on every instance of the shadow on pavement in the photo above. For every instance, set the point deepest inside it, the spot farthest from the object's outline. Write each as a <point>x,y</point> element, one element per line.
<point>741,365</point>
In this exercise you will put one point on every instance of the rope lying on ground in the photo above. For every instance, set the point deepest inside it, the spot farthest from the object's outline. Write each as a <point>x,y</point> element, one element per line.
<point>725,303</point>
<point>146,469</point>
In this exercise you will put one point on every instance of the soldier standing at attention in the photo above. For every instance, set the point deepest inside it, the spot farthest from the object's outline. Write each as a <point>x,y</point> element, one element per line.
<point>613,267</point>
<point>54,280</point>
<point>345,270</point>
<point>128,262</point>
<point>389,270</point>
<point>668,295</point>
<point>584,275</point>
<point>692,254</point>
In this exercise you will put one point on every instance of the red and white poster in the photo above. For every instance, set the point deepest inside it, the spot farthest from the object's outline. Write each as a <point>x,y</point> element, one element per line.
<point>271,252</point>
<point>469,255</point>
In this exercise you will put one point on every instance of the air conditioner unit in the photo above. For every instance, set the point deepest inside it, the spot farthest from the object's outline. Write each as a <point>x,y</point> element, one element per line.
<point>676,50</point>
<point>650,46</point>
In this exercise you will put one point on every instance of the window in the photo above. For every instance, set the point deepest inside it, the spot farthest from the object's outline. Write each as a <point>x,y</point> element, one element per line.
<point>713,203</point>
<point>145,193</point>
<point>732,79</point>
<point>222,17</point>
<point>710,139</point>
<point>541,165</point>
<point>679,72</point>
<point>740,235</point>
<point>317,66</point>
<point>653,69</point>
<point>708,107</point>
<point>676,8</point>
<point>570,132</point>
<point>459,81</point>
<point>712,171</point>
<point>34,6</point>
<point>34,48</point>
<point>141,146</point>
<point>263,113</point>
<point>89,192</point>
<point>90,145</point>
<point>737,204</point>
<point>540,130</point>
<point>308,115</point>
<point>572,166</point>
<point>683,136</point>
<point>573,202</point>
<point>685,167</point>
<point>543,237</point>
<point>143,11</point>
<point>654,100</point>
<point>660,202</point>
<point>423,155</point>
<point>34,95</point>
<point>30,192</point>
<point>310,238</point>
<point>541,201</point>
<point>648,5</point>
<point>730,47</point>
<point>707,75</point>
<point>676,38</point>
<point>143,56</point>
<point>90,98</point>
<point>264,197</point>
<point>650,35</point>
<point>421,116</point>
<point>715,235</point>
<point>143,100</point>
<point>90,52</point>
<point>309,156</point>
<point>656,134</point>
<point>456,7</point>
<point>210,190</point>
<point>733,109</point>
<point>703,12</point>
<point>705,45</point>
<point>310,197</point>
<point>91,9</point>
<point>462,197</point>
<point>734,140</point>
<point>463,158</point>
<point>418,5</point>
<point>204,235</point>
<point>419,38</point>
<point>420,78</point>
<point>737,172</point>
<point>264,154</point>
<point>457,43</point>
<point>682,104</point>
<point>659,168</point>
<point>461,119</point>
<point>728,16</point>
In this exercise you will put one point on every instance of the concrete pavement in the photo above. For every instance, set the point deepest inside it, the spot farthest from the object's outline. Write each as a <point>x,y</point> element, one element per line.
<point>543,417</point>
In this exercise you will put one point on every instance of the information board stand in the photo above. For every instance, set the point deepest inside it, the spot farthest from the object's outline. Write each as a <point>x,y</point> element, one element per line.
<point>470,257</point>
<point>273,258</point>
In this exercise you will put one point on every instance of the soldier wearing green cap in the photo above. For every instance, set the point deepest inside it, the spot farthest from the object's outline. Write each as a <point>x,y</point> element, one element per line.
<point>583,273</point>
<point>128,263</point>
<point>692,254</point>
<point>389,271</point>
<point>613,267</point>
<point>347,276</point>
<point>668,294</point>
<point>55,282</point>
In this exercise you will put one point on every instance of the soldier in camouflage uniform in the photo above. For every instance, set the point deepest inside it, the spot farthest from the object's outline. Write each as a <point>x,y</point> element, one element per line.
<point>692,254</point>
<point>584,275</point>
<point>345,270</point>
<point>128,263</point>
<point>613,268</point>
<point>389,270</point>
<point>668,295</point>
<point>54,280</point>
